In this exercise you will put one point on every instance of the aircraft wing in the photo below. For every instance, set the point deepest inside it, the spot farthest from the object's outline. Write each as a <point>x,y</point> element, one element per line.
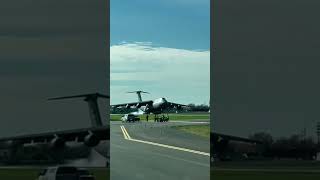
<point>216,137</point>
<point>172,104</point>
<point>102,133</point>
<point>132,104</point>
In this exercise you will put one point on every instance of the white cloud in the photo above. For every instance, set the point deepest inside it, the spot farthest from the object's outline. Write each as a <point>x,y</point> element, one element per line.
<point>179,74</point>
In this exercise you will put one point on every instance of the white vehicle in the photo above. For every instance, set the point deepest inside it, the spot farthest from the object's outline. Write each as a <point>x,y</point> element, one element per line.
<point>129,118</point>
<point>64,173</point>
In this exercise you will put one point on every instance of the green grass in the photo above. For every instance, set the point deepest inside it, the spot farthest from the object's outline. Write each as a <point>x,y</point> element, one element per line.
<point>200,130</point>
<point>247,175</point>
<point>17,174</point>
<point>32,174</point>
<point>117,117</point>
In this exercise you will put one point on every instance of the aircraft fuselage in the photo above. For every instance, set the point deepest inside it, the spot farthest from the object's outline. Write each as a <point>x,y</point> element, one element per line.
<point>157,107</point>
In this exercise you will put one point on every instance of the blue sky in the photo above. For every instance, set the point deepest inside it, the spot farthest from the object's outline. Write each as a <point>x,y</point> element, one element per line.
<point>158,45</point>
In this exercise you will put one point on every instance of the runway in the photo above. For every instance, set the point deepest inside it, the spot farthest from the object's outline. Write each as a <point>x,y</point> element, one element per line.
<point>157,151</point>
<point>262,166</point>
<point>268,170</point>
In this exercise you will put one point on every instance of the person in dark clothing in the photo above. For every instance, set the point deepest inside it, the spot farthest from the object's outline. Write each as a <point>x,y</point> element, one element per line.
<point>147,117</point>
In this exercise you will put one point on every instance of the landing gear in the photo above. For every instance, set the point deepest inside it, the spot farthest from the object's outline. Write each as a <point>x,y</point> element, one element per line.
<point>163,118</point>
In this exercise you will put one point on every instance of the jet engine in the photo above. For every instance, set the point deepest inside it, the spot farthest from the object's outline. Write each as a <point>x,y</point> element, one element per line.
<point>138,105</point>
<point>91,140</point>
<point>57,142</point>
<point>147,108</point>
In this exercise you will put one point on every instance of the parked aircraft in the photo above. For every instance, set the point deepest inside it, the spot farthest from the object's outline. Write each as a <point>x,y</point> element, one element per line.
<point>155,107</point>
<point>60,145</point>
<point>220,144</point>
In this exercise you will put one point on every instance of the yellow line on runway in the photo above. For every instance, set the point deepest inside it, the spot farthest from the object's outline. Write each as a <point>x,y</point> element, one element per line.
<point>124,134</point>
<point>127,136</point>
<point>124,129</point>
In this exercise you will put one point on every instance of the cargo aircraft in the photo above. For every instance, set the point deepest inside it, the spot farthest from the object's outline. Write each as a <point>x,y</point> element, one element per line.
<point>59,146</point>
<point>220,144</point>
<point>156,107</point>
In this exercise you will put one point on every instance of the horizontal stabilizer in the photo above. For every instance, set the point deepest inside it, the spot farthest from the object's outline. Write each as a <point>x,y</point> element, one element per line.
<point>94,95</point>
<point>138,92</point>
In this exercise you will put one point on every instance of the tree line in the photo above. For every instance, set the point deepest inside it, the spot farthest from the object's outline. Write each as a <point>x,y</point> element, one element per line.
<point>296,146</point>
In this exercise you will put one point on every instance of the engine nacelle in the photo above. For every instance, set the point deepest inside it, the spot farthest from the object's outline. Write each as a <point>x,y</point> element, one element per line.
<point>57,142</point>
<point>147,108</point>
<point>138,105</point>
<point>91,140</point>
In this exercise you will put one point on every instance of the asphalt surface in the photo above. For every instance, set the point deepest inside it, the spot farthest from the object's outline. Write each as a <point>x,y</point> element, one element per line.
<point>135,160</point>
<point>98,157</point>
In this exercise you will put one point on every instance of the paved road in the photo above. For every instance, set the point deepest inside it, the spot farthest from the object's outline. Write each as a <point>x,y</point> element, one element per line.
<point>135,160</point>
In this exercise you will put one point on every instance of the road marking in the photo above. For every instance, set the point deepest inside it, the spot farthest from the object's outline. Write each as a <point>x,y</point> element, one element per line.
<point>124,134</point>
<point>192,122</point>
<point>127,137</point>
<point>125,131</point>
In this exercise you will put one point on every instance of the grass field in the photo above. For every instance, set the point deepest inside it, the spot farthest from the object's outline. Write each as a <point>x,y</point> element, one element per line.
<point>205,116</point>
<point>266,169</point>
<point>31,174</point>
<point>250,175</point>
<point>200,130</point>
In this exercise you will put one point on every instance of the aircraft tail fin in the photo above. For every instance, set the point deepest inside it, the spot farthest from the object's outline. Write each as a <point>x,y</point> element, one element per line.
<point>92,100</point>
<point>139,94</point>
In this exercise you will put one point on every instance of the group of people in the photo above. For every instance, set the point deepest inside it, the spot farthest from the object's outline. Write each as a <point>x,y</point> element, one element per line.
<point>163,118</point>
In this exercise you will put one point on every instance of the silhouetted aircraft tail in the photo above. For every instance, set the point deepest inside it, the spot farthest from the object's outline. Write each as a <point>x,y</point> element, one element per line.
<point>92,100</point>
<point>139,94</point>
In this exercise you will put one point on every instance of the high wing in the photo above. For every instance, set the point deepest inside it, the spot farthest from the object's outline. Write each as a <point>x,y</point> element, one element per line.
<point>217,137</point>
<point>77,135</point>
<point>133,104</point>
<point>220,144</point>
<point>172,104</point>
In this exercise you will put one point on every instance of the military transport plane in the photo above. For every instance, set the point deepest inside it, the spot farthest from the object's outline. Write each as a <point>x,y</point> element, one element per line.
<point>56,145</point>
<point>220,144</point>
<point>155,107</point>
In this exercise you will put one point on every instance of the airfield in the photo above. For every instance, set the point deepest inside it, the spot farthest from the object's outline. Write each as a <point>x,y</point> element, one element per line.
<point>94,163</point>
<point>178,149</point>
<point>154,150</point>
<point>266,169</point>
<point>31,173</point>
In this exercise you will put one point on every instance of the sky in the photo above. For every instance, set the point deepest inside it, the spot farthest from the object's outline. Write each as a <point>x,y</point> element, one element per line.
<point>266,67</point>
<point>162,47</point>
<point>48,49</point>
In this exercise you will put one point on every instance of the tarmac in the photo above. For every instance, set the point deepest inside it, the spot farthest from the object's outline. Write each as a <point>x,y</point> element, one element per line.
<point>154,150</point>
